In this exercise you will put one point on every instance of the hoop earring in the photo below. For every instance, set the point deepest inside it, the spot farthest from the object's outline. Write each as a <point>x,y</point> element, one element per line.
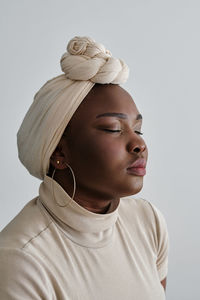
<point>74,186</point>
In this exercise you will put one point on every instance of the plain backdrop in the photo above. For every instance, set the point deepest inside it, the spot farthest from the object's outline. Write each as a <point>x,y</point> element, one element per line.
<point>159,40</point>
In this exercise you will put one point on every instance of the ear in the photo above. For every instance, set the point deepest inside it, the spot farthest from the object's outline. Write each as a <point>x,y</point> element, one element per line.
<point>58,157</point>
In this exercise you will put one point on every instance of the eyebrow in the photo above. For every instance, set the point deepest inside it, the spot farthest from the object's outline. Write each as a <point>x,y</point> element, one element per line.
<point>118,115</point>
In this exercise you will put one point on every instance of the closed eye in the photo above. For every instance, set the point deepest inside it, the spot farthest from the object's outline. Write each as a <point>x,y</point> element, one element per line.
<point>139,132</point>
<point>111,130</point>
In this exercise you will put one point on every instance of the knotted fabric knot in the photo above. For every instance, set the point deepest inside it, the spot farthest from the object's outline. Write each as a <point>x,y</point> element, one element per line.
<point>87,60</point>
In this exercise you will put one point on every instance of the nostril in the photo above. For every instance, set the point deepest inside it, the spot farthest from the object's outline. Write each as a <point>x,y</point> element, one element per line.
<point>137,150</point>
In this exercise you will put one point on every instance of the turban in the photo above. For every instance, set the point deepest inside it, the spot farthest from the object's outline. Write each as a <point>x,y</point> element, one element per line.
<point>85,63</point>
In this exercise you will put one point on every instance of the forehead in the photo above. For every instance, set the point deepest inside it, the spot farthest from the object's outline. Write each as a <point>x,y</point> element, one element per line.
<point>103,99</point>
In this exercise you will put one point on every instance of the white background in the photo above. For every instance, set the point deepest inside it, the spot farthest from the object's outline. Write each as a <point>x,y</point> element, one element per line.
<point>159,40</point>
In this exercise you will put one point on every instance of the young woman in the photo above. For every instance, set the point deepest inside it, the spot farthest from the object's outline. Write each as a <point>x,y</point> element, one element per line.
<point>82,237</point>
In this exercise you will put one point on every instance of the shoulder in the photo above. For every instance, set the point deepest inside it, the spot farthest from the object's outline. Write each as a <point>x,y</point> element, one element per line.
<point>22,276</point>
<point>150,221</point>
<point>28,224</point>
<point>22,267</point>
<point>141,209</point>
<point>143,217</point>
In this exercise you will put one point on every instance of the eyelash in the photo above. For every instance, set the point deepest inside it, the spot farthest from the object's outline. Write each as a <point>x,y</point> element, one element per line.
<point>110,130</point>
<point>139,132</point>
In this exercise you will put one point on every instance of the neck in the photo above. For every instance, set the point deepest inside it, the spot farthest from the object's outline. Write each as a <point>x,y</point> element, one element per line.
<point>90,200</point>
<point>95,206</point>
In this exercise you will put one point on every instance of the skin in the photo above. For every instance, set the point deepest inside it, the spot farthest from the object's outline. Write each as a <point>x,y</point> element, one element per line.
<point>164,283</point>
<point>99,148</point>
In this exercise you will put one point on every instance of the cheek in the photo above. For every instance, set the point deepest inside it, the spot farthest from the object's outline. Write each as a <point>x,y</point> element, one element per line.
<point>103,151</point>
<point>107,151</point>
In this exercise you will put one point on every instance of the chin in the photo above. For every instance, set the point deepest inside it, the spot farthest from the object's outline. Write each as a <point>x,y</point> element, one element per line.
<point>132,188</point>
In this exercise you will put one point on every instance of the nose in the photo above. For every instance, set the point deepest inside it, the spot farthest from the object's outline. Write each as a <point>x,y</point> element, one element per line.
<point>137,145</point>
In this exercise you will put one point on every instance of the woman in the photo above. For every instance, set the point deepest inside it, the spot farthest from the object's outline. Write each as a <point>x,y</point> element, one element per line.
<point>78,239</point>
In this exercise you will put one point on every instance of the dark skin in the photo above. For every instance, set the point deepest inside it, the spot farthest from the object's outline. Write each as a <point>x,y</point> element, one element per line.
<point>101,141</point>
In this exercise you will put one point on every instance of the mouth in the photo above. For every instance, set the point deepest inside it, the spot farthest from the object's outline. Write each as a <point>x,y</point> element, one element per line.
<point>137,171</point>
<point>137,168</point>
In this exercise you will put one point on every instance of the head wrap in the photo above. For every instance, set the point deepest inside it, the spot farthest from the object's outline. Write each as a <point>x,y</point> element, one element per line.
<point>84,64</point>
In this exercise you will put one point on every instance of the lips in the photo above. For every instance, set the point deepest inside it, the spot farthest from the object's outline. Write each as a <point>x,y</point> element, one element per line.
<point>138,168</point>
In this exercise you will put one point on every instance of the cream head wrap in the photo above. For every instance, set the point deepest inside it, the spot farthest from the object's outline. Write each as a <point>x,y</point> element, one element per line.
<point>84,64</point>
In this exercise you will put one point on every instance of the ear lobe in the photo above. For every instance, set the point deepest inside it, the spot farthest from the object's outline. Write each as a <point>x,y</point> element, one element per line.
<point>58,162</point>
<point>57,158</point>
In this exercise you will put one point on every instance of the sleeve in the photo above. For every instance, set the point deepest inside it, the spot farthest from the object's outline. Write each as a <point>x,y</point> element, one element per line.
<point>21,276</point>
<point>162,243</point>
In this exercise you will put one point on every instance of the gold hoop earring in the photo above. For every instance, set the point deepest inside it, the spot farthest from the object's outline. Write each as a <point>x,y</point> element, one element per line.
<point>74,186</point>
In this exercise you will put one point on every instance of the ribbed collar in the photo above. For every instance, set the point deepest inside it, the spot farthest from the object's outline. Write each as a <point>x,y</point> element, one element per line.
<point>78,224</point>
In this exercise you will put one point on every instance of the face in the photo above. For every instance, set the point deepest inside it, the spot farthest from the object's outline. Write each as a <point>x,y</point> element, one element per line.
<point>103,140</point>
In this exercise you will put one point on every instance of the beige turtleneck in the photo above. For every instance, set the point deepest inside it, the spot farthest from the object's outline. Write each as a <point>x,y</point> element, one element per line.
<point>51,252</point>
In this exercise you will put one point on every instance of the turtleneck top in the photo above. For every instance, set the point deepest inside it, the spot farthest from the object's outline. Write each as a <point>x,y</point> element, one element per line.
<point>56,249</point>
